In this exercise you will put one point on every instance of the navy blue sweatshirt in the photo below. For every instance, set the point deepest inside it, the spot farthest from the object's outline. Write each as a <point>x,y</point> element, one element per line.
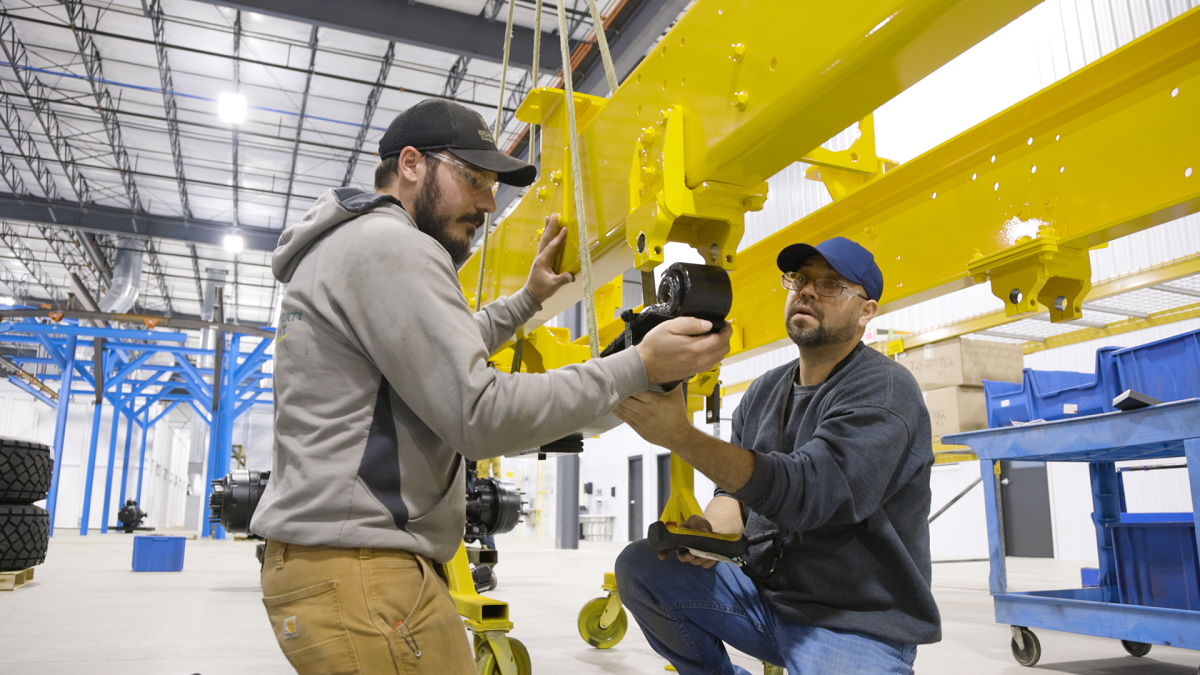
<point>843,474</point>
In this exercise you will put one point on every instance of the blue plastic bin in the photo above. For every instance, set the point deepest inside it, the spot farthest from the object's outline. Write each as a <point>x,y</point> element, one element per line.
<point>1052,394</point>
<point>1168,370</point>
<point>1156,564</point>
<point>156,553</point>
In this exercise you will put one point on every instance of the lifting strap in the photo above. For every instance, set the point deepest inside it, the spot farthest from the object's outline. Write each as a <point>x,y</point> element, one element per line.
<point>487,221</point>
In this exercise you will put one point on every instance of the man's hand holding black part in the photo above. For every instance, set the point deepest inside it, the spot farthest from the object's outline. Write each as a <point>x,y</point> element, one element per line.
<point>543,281</point>
<point>678,349</point>
<point>662,419</point>
<point>693,523</point>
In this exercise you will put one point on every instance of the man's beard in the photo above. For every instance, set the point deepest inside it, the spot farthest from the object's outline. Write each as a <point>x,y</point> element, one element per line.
<point>822,335</point>
<point>437,225</point>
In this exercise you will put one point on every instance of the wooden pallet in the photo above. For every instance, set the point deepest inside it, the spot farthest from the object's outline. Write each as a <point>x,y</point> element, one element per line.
<point>10,581</point>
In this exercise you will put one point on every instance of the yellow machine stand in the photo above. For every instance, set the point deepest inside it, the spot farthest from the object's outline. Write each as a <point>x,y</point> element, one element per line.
<point>603,621</point>
<point>495,652</point>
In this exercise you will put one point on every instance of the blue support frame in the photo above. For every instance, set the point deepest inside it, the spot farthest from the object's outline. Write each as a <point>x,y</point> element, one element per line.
<point>122,359</point>
<point>91,467</point>
<point>60,426</point>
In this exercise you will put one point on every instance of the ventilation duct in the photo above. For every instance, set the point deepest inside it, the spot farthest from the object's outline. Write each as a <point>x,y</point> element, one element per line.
<point>126,278</point>
<point>215,280</point>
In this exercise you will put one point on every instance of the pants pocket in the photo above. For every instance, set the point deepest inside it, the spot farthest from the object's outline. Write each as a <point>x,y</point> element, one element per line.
<point>308,625</point>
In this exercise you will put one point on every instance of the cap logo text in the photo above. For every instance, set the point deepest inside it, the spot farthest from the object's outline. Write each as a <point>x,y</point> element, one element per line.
<point>486,135</point>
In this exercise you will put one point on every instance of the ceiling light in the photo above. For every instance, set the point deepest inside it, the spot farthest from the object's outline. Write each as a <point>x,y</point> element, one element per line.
<point>8,300</point>
<point>234,243</point>
<point>231,108</point>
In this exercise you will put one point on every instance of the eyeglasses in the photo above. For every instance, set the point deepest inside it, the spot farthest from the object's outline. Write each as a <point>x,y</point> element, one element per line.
<point>475,180</point>
<point>830,288</point>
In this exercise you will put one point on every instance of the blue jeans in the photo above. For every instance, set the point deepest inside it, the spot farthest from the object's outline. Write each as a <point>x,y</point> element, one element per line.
<point>688,613</point>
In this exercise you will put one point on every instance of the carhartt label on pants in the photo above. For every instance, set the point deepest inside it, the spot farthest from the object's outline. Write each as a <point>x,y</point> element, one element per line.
<point>289,628</point>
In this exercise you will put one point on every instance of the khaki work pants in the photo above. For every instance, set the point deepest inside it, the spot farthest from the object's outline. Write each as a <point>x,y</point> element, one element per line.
<point>369,611</point>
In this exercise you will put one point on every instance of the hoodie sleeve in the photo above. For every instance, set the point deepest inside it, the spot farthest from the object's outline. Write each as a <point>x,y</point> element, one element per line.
<point>432,350</point>
<point>499,320</point>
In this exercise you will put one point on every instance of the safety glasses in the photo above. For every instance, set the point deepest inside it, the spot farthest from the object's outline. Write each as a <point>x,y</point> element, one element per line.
<point>475,180</point>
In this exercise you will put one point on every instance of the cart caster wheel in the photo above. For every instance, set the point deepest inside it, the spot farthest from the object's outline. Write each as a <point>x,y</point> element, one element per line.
<point>1135,648</point>
<point>485,658</point>
<point>1033,649</point>
<point>589,625</point>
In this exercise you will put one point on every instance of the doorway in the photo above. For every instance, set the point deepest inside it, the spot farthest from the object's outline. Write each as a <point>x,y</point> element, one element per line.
<point>1025,497</point>
<point>664,481</point>
<point>635,499</point>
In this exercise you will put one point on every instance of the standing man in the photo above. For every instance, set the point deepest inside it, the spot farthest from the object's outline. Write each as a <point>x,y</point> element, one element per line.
<point>831,452</point>
<point>382,387</point>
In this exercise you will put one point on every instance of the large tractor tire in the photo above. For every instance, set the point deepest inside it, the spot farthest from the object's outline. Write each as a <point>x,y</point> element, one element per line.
<point>24,535</point>
<point>25,471</point>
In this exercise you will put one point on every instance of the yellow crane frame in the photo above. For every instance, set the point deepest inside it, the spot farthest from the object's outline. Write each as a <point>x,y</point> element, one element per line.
<point>737,91</point>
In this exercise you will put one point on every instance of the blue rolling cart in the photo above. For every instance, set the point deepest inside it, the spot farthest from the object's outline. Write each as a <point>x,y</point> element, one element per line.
<point>1167,430</point>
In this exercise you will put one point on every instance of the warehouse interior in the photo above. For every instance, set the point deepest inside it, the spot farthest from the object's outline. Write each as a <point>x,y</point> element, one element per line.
<point>154,151</point>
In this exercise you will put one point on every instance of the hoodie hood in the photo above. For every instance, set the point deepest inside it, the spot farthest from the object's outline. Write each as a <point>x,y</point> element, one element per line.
<point>332,209</point>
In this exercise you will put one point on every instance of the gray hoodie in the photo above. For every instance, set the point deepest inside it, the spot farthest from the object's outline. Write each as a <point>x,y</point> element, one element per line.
<point>382,384</point>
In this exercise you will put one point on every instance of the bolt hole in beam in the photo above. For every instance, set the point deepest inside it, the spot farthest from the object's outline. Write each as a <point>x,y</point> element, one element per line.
<point>935,195</point>
<point>974,176</point>
<point>996,186</point>
<point>641,241</point>
<point>1174,92</point>
<point>1030,141</point>
<point>993,159</point>
<point>714,252</point>
<point>1015,296</point>
<point>1187,173</point>
<point>1033,169</point>
<point>1060,303</point>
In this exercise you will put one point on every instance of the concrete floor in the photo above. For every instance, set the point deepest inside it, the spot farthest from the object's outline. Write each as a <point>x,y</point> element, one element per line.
<point>86,612</point>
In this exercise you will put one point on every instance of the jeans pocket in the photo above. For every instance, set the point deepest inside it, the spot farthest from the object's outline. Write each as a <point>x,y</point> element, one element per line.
<point>308,625</point>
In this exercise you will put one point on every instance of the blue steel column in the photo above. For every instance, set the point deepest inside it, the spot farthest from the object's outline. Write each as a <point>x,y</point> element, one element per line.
<point>60,426</point>
<point>142,457</point>
<point>1191,449</point>
<point>1106,508</point>
<point>125,463</point>
<point>226,410</point>
<point>108,471</point>
<point>91,467</point>
<point>216,434</point>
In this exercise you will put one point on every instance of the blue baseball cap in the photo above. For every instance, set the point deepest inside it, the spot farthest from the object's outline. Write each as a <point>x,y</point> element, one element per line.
<point>846,258</point>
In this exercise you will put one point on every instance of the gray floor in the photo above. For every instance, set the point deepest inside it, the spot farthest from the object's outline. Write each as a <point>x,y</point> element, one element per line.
<point>86,612</point>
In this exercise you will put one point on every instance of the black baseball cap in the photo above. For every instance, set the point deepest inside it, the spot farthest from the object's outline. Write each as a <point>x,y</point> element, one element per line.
<point>846,257</point>
<point>437,124</point>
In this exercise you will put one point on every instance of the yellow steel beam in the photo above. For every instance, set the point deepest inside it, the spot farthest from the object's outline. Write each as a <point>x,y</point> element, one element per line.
<point>1058,161</point>
<point>1105,289</point>
<point>724,101</point>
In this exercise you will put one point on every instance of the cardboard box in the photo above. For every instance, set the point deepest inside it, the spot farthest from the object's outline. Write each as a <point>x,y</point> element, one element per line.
<point>955,409</point>
<point>963,362</point>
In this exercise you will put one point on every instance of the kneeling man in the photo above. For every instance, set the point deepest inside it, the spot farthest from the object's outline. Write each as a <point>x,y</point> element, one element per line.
<point>833,453</point>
